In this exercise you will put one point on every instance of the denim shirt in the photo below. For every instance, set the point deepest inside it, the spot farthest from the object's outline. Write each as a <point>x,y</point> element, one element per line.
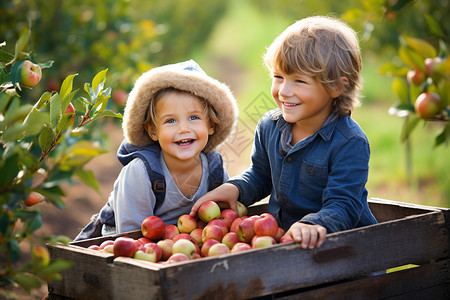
<point>320,180</point>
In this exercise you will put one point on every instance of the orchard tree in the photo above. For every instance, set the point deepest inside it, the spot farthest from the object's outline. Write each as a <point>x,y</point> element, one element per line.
<point>42,145</point>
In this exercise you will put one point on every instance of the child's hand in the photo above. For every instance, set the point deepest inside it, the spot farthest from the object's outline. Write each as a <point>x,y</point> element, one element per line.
<point>310,236</point>
<point>226,193</point>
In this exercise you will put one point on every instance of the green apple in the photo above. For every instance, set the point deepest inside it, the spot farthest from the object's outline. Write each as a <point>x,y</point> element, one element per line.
<point>30,74</point>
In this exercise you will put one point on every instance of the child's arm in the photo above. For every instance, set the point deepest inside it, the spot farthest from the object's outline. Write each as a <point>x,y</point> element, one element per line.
<point>310,236</point>
<point>226,193</point>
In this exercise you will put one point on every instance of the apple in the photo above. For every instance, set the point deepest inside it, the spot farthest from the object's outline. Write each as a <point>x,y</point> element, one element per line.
<point>120,97</point>
<point>94,247</point>
<point>106,243</point>
<point>235,224</point>
<point>286,239</point>
<point>228,216</point>
<point>206,245</point>
<point>40,255</point>
<point>266,224</point>
<point>149,252</point>
<point>230,239</point>
<point>415,77</point>
<point>432,65</point>
<point>171,231</point>
<point>70,110</point>
<point>220,223</point>
<point>177,257</point>
<point>166,248</point>
<point>218,249</point>
<point>34,198</point>
<point>212,231</point>
<point>124,246</point>
<point>241,209</point>
<point>144,240</point>
<point>197,235</point>
<point>184,246</point>
<point>30,74</point>
<point>201,224</point>
<point>280,233</point>
<point>427,105</point>
<point>187,236</point>
<point>263,241</point>
<point>153,228</point>
<point>208,211</point>
<point>245,230</point>
<point>186,223</point>
<point>109,249</point>
<point>240,247</point>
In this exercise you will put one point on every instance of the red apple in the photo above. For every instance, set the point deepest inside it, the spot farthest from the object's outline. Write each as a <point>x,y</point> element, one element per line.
<point>34,198</point>
<point>206,246</point>
<point>230,239</point>
<point>240,247</point>
<point>432,65</point>
<point>427,105</point>
<point>177,257</point>
<point>149,252</point>
<point>208,211</point>
<point>266,225</point>
<point>144,240</point>
<point>30,74</point>
<point>221,224</point>
<point>187,236</point>
<point>416,77</point>
<point>279,234</point>
<point>106,243</point>
<point>228,216</point>
<point>186,223</point>
<point>263,241</point>
<point>171,231</point>
<point>70,110</point>
<point>124,246</point>
<point>235,224</point>
<point>201,224</point>
<point>241,209</point>
<point>184,246</point>
<point>109,249</point>
<point>94,247</point>
<point>245,230</point>
<point>286,239</point>
<point>153,228</point>
<point>218,249</point>
<point>197,235</point>
<point>166,248</point>
<point>212,232</point>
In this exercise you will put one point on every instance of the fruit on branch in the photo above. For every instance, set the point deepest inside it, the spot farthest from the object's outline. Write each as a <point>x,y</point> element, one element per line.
<point>30,74</point>
<point>427,105</point>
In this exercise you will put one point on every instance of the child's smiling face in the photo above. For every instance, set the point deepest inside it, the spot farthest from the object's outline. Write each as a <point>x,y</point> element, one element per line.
<point>301,98</point>
<point>182,126</point>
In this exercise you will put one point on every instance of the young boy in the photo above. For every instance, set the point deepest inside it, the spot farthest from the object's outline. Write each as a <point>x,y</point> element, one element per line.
<point>308,154</point>
<point>175,117</point>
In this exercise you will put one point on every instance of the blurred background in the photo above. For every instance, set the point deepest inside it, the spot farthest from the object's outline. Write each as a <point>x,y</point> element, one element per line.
<point>228,39</point>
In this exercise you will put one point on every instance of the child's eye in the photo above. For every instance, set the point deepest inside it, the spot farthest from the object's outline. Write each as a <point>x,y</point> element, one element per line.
<point>170,121</point>
<point>277,77</point>
<point>191,118</point>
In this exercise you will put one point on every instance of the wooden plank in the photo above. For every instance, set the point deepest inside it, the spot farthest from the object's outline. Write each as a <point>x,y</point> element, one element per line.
<point>89,278</point>
<point>430,281</point>
<point>285,266</point>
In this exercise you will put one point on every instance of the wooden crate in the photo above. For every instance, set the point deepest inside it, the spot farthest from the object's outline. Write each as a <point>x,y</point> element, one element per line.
<point>343,268</point>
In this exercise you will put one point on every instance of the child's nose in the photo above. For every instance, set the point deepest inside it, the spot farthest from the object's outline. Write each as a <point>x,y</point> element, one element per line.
<point>285,90</point>
<point>183,127</point>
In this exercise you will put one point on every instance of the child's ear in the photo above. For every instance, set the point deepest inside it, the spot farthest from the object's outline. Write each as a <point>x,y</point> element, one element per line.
<point>338,91</point>
<point>151,133</point>
<point>211,129</point>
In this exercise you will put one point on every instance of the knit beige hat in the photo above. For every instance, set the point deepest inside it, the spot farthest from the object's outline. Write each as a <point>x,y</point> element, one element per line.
<point>186,76</point>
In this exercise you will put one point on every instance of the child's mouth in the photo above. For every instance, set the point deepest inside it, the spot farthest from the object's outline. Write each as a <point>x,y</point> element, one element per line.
<point>184,142</point>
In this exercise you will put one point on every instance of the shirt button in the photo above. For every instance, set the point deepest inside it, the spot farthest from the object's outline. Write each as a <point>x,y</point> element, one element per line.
<point>289,159</point>
<point>282,152</point>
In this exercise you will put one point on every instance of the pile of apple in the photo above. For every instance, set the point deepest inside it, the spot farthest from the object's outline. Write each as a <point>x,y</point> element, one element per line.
<point>214,232</point>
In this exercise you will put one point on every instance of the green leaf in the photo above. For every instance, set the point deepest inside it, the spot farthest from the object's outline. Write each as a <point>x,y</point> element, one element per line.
<point>56,266</point>
<point>5,56</point>
<point>9,170</point>
<point>421,47</point>
<point>33,224</point>
<point>14,250</point>
<point>42,101</point>
<point>99,78</point>
<point>27,282</point>
<point>66,86</point>
<point>53,195</point>
<point>64,123</point>
<point>107,113</point>
<point>67,100</point>
<point>34,122</point>
<point>46,138</point>
<point>22,42</point>
<point>88,178</point>
<point>391,69</point>
<point>435,27</point>
<point>46,65</point>
<point>55,110</point>
<point>400,88</point>
<point>15,71</point>
<point>408,127</point>
<point>411,58</point>
<point>443,136</point>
